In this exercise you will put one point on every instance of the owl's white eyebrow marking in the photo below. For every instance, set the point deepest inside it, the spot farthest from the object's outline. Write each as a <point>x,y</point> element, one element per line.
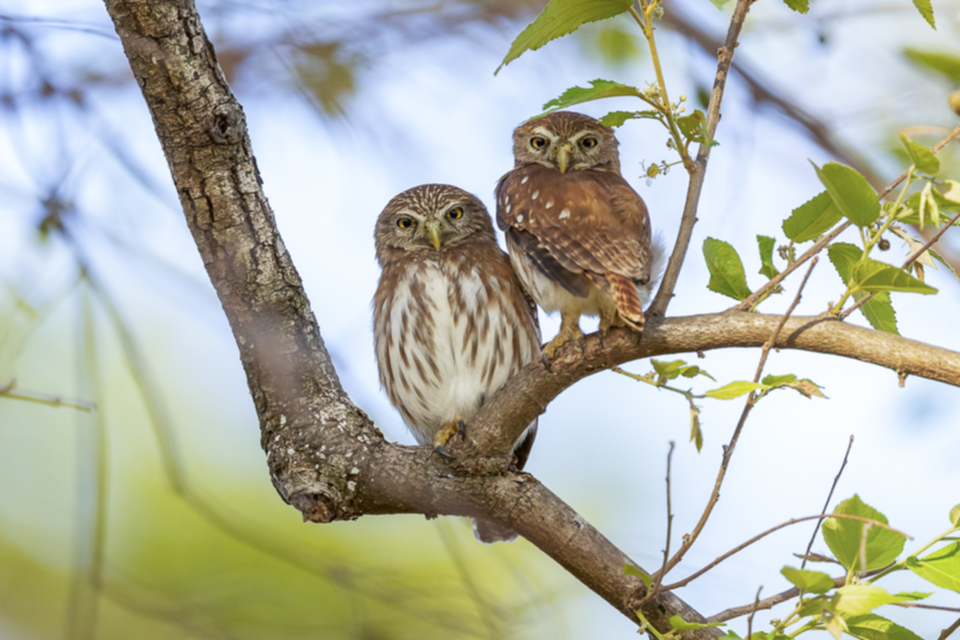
<point>535,195</point>
<point>565,214</point>
<point>525,178</point>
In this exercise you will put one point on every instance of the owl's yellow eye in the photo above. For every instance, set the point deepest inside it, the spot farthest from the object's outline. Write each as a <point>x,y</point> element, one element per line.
<point>456,213</point>
<point>538,142</point>
<point>405,222</point>
<point>589,142</point>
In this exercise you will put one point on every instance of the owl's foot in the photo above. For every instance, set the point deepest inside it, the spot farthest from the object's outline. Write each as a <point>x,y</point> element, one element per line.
<point>443,436</point>
<point>568,331</point>
<point>613,321</point>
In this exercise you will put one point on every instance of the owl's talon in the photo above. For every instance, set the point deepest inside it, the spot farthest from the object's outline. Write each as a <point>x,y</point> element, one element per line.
<point>443,452</point>
<point>583,344</point>
<point>462,427</point>
<point>546,361</point>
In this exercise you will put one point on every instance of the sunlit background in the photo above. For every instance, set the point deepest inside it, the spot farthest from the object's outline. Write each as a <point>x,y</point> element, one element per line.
<point>154,517</point>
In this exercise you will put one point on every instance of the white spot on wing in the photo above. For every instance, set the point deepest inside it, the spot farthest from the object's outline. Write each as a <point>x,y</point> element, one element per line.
<point>525,178</point>
<point>509,207</point>
<point>535,194</point>
<point>549,204</point>
<point>565,214</point>
<point>519,217</point>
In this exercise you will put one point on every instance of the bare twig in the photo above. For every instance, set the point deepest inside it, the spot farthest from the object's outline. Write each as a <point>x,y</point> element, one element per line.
<point>728,450</point>
<point>826,504</point>
<point>946,633</point>
<point>756,602</point>
<point>659,575</point>
<point>920,605</point>
<point>827,239</point>
<point>699,168</point>
<point>760,536</point>
<point>909,261</point>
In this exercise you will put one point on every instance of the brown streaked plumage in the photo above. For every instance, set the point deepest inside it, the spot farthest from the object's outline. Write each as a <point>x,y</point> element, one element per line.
<point>578,234</point>
<point>451,322</point>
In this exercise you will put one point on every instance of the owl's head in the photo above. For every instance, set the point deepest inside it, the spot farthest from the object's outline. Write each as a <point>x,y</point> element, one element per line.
<point>566,141</point>
<point>430,218</point>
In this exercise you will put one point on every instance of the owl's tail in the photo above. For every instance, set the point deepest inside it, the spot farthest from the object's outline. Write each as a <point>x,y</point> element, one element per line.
<point>624,294</point>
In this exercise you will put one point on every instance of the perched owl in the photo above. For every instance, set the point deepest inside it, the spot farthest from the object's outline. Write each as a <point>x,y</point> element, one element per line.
<point>451,322</point>
<point>578,234</point>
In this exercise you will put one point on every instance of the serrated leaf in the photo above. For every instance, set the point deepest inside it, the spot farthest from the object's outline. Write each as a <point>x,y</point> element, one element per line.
<point>939,258</point>
<point>630,570</point>
<point>598,89</point>
<point>800,6</point>
<point>766,244</point>
<point>696,434</point>
<point>811,219</point>
<point>811,581</point>
<point>915,245</point>
<point>559,18</point>
<point>617,118</point>
<point>680,624</point>
<point>843,536</point>
<point>942,567</point>
<point>921,157</point>
<point>871,275</point>
<point>955,516</point>
<point>694,126</point>
<point>870,626</point>
<point>926,10</point>
<point>807,388</point>
<point>726,270</point>
<point>878,310</point>
<point>773,381</point>
<point>734,389</point>
<point>914,595</point>
<point>857,599</point>
<point>944,64</point>
<point>850,191</point>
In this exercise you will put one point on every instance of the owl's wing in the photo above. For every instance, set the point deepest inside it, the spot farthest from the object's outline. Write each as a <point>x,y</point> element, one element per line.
<point>583,221</point>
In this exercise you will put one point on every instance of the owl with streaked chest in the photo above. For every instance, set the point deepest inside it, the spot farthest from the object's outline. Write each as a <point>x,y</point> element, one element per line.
<point>578,234</point>
<point>451,321</point>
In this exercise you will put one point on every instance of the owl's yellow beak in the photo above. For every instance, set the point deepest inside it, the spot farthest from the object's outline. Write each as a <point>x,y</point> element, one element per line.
<point>564,152</point>
<point>432,228</point>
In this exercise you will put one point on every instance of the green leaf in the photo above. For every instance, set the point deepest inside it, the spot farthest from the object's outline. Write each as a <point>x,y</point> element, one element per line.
<point>942,567</point>
<point>731,636</point>
<point>926,10</point>
<point>871,275</point>
<point>939,258</point>
<point>767,268</point>
<point>857,599</point>
<point>851,192</point>
<point>694,126</point>
<point>630,570</point>
<point>955,516</point>
<point>726,270</point>
<point>734,390</point>
<point>878,310</point>
<point>943,63</point>
<point>696,434</point>
<point>598,89</point>
<point>812,218</point>
<point>559,18</point>
<point>913,595</point>
<point>617,118</point>
<point>680,624</point>
<point>870,626</point>
<point>921,157</point>
<point>843,536</point>
<point>773,381</point>
<point>811,581</point>
<point>800,6</point>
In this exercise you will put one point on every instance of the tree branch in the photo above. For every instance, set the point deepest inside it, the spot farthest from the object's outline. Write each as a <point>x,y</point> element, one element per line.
<point>699,169</point>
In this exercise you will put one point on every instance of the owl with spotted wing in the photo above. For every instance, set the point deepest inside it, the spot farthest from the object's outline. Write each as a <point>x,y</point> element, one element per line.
<point>577,233</point>
<point>451,321</point>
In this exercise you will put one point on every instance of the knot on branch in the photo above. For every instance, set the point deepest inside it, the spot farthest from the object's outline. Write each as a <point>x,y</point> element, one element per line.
<point>227,124</point>
<point>315,507</point>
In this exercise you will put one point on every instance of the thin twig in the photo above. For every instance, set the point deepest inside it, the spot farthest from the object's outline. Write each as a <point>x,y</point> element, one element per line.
<point>913,258</point>
<point>756,602</point>
<point>920,605</point>
<point>949,630</point>
<point>826,504</point>
<point>659,575</point>
<point>760,536</point>
<point>827,239</point>
<point>728,450</point>
<point>699,167</point>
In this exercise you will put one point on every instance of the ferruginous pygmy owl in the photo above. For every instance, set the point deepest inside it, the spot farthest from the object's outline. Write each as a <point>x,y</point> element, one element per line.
<point>451,322</point>
<point>578,234</point>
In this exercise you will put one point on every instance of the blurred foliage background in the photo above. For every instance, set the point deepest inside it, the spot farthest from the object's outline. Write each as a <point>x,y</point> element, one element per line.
<point>135,501</point>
